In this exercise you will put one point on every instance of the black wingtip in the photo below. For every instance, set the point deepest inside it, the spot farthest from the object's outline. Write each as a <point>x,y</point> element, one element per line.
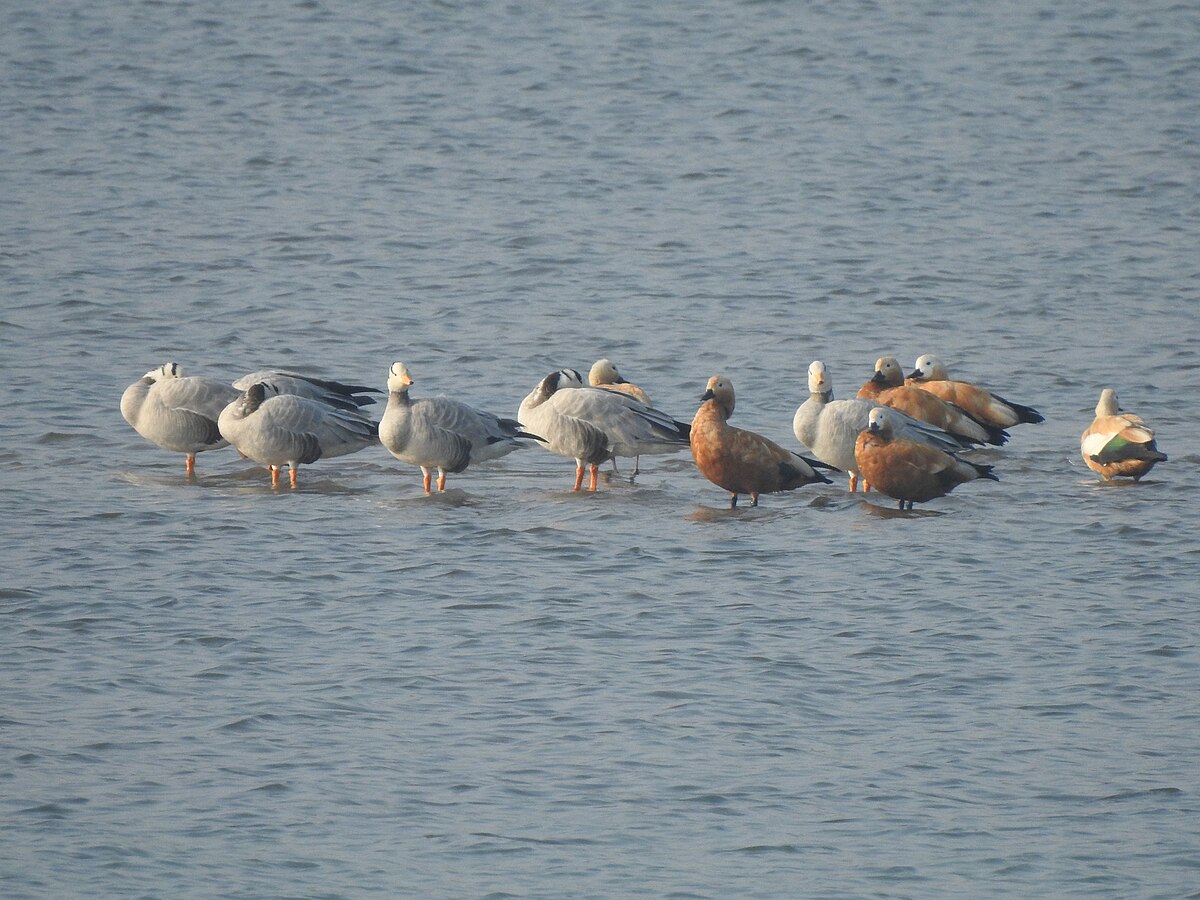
<point>1028,414</point>
<point>997,436</point>
<point>986,472</point>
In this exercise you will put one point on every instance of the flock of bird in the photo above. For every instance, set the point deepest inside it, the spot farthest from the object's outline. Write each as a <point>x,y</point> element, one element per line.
<point>901,436</point>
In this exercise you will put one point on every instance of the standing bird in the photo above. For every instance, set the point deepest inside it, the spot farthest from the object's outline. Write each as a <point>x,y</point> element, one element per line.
<point>743,462</point>
<point>887,388</point>
<point>440,433</point>
<point>564,433</point>
<point>929,374</point>
<point>283,428</point>
<point>1118,444</point>
<point>829,428</point>
<point>630,428</point>
<point>177,412</point>
<point>906,470</point>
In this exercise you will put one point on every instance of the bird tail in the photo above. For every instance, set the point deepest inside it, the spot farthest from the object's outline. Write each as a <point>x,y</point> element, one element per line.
<point>984,471</point>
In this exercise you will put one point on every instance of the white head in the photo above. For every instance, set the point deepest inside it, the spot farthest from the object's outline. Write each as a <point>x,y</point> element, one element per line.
<point>888,371</point>
<point>928,368</point>
<point>819,381</point>
<point>163,372</point>
<point>604,371</point>
<point>879,421</point>
<point>1108,405</point>
<point>399,380</point>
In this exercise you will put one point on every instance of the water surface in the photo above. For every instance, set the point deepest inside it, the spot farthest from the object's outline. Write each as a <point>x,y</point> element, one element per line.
<point>214,688</point>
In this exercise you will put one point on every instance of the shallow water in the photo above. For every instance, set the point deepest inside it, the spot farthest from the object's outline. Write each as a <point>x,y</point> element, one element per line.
<point>513,690</point>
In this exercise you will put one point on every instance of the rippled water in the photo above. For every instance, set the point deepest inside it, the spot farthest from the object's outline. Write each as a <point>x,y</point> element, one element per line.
<point>214,689</point>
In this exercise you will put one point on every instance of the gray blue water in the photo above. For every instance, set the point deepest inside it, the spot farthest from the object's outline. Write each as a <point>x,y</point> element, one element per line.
<point>511,690</point>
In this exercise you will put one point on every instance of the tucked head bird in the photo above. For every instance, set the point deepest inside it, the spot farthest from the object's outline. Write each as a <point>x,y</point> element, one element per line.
<point>930,374</point>
<point>739,461</point>
<point>440,433</point>
<point>177,412</point>
<point>604,375</point>
<point>284,428</point>
<point>829,428</point>
<point>1118,444</point>
<point>887,388</point>
<point>906,470</point>
<point>630,428</point>
<point>562,433</point>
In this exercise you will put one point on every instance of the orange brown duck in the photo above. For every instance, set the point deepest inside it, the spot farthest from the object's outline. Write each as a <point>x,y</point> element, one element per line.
<point>930,374</point>
<point>887,388</point>
<point>906,470</point>
<point>1118,444</point>
<point>739,461</point>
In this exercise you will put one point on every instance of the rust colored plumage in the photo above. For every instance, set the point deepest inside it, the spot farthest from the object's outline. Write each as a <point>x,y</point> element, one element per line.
<point>887,388</point>
<point>906,470</point>
<point>742,462</point>
<point>930,374</point>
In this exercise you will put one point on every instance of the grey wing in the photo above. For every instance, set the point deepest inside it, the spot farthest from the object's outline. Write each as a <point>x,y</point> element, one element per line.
<point>451,447</point>
<point>924,433</point>
<point>665,424</point>
<point>332,393</point>
<point>624,419</point>
<point>341,431</point>
<point>490,436</point>
<point>566,435</point>
<point>476,426</point>
<point>203,396</point>
<point>337,431</point>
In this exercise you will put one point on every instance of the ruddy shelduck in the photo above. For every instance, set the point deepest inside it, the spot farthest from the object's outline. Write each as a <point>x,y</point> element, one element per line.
<point>1118,444</point>
<point>930,374</point>
<point>604,374</point>
<point>906,470</point>
<point>887,388</point>
<point>829,427</point>
<point>743,462</point>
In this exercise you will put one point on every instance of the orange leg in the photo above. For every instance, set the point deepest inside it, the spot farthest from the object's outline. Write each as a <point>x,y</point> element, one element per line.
<point>426,479</point>
<point>191,465</point>
<point>274,476</point>
<point>754,499</point>
<point>578,477</point>
<point>595,469</point>
<point>853,482</point>
<point>292,475</point>
<point>441,480</point>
